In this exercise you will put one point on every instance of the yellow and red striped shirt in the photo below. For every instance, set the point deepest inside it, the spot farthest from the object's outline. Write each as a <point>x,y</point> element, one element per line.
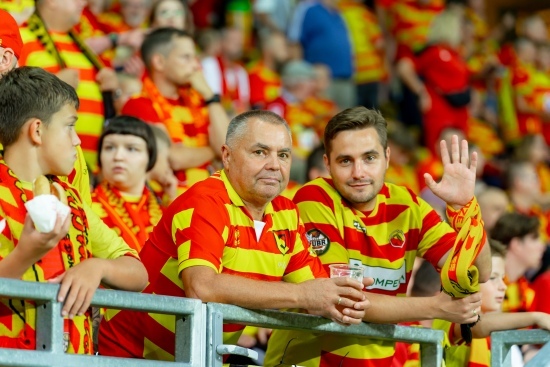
<point>385,241</point>
<point>90,112</point>
<point>265,84</point>
<point>519,296</point>
<point>209,226</point>
<point>86,238</point>
<point>365,33</point>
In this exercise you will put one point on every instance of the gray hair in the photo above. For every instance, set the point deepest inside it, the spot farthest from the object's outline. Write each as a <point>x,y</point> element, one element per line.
<point>237,127</point>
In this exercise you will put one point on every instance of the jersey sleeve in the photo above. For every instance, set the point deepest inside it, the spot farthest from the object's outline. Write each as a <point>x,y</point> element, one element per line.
<point>436,236</point>
<point>200,231</point>
<point>105,242</point>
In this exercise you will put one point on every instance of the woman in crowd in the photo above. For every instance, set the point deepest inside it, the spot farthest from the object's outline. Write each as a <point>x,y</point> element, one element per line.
<point>127,151</point>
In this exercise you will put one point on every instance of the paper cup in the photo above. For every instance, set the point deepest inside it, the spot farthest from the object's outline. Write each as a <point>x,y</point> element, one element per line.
<point>345,270</point>
<point>44,209</point>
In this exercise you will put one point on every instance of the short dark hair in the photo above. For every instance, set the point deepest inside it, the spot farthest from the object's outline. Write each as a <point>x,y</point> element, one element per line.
<point>427,281</point>
<point>356,118</point>
<point>159,41</point>
<point>128,125</point>
<point>315,159</point>
<point>30,92</point>
<point>497,248</point>
<point>237,123</point>
<point>514,225</point>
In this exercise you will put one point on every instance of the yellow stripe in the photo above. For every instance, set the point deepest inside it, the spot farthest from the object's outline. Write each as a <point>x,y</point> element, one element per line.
<point>153,351</point>
<point>300,275</point>
<point>255,261</point>
<point>181,221</point>
<point>196,262</point>
<point>168,271</point>
<point>167,321</point>
<point>6,195</point>
<point>237,217</point>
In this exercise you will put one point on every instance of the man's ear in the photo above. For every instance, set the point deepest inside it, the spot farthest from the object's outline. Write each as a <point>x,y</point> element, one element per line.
<point>388,151</point>
<point>515,245</point>
<point>35,128</point>
<point>226,156</point>
<point>326,162</point>
<point>7,60</point>
<point>157,62</point>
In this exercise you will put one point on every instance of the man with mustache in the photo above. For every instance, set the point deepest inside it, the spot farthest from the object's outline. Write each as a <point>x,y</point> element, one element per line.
<point>354,217</point>
<point>232,239</point>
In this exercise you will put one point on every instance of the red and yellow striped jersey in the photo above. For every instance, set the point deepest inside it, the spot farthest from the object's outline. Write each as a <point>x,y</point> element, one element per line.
<point>524,84</point>
<point>459,354</point>
<point>86,239</point>
<point>385,241</point>
<point>90,112</point>
<point>265,84</point>
<point>186,120</point>
<point>365,34</point>
<point>519,296</point>
<point>411,21</point>
<point>132,218</point>
<point>209,226</point>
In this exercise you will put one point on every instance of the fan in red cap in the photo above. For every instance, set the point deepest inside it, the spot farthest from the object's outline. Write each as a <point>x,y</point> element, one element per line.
<point>9,39</point>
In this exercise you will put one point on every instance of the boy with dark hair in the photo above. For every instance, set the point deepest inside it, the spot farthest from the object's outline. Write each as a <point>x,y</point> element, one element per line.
<point>37,120</point>
<point>521,236</point>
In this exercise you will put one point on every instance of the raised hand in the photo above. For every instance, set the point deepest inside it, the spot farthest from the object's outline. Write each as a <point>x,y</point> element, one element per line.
<point>457,185</point>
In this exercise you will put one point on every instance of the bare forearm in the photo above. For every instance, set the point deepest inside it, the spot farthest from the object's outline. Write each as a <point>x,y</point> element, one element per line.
<point>244,292</point>
<point>218,127</point>
<point>407,73</point>
<point>16,264</point>
<point>126,273</point>
<point>498,321</point>
<point>183,157</point>
<point>483,263</point>
<point>391,310</point>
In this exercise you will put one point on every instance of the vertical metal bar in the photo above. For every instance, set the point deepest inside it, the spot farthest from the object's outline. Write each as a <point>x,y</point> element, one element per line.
<point>49,327</point>
<point>214,329</point>
<point>431,354</point>
<point>542,358</point>
<point>184,339</point>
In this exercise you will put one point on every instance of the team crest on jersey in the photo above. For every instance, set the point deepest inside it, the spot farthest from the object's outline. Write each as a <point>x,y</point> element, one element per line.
<point>282,238</point>
<point>318,241</point>
<point>397,238</point>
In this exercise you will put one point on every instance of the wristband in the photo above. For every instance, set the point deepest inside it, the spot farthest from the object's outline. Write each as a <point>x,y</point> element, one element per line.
<point>114,39</point>
<point>216,98</point>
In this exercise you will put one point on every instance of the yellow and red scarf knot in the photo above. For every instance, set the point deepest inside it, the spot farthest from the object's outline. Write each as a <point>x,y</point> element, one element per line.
<point>459,276</point>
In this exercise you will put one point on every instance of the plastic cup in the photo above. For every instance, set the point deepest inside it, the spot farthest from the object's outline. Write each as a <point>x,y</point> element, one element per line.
<point>346,270</point>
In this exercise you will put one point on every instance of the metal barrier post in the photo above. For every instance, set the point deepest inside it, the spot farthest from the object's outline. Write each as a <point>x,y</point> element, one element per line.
<point>502,341</point>
<point>542,359</point>
<point>189,313</point>
<point>217,314</point>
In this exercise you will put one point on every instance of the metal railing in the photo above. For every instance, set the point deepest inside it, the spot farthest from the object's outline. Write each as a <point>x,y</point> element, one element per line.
<point>502,341</point>
<point>431,341</point>
<point>190,326</point>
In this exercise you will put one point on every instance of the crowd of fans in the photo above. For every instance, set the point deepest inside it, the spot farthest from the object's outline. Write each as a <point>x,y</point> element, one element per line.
<point>158,82</point>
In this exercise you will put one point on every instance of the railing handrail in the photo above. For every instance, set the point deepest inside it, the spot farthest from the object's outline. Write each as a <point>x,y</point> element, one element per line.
<point>273,319</point>
<point>502,341</point>
<point>189,327</point>
<point>430,340</point>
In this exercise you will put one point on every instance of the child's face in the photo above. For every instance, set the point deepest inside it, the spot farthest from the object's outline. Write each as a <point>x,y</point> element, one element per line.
<point>59,141</point>
<point>492,291</point>
<point>124,160</point>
